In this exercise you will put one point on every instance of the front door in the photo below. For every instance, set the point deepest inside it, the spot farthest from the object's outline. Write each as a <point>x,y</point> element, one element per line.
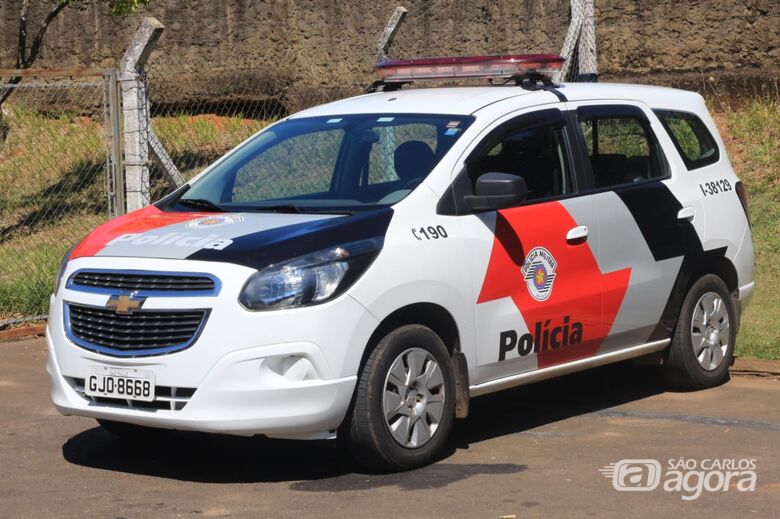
<point>538,285</point>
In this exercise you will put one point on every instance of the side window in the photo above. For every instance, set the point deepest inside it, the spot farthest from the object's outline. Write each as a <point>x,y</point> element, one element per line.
<point>285,170</point>
<point>537,152</point>
<point>621,146</point>
<point>691,137</point>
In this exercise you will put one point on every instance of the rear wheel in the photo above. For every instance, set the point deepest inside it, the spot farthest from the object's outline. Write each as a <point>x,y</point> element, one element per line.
<point>405,402</point>
<point>702,347</point>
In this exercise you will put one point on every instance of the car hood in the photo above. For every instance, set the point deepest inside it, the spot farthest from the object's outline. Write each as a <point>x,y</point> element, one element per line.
<point>250,239</point>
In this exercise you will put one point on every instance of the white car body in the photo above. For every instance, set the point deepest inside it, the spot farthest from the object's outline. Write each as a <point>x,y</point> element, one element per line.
<point>292,372</point>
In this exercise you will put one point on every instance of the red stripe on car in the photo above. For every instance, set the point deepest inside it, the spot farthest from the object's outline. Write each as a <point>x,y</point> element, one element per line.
<point>146,219</point>
<point>580,292</point>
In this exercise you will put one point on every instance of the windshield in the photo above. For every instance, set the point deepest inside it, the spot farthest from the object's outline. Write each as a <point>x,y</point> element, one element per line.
<point>339,163</point>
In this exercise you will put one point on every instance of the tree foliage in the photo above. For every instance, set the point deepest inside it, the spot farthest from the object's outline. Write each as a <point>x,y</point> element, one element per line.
<point>27,53</point>
<point>29,44</point>
<point>122,7</point>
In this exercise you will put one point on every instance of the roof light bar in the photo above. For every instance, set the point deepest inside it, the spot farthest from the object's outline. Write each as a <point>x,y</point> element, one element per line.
<point>468,67</point>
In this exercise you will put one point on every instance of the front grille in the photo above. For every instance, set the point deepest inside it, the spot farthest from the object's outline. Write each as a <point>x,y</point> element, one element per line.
<point>141,333</point>
<point>143,282</point>
<point>165,397</point>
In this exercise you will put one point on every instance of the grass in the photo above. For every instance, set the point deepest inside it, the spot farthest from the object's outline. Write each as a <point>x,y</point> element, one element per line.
<point>52,176</point>
<point>752,134</point>
<point>51,179</point>
<point>52,183</point>
<point>196,141</point>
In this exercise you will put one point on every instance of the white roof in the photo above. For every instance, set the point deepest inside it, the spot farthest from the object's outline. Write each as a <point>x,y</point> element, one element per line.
<point>467,100</point>
<point>654,96</point>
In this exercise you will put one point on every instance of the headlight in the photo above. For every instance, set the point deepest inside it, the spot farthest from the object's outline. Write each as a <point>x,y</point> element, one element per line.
<point>61,270</point>
<point>310,279</point>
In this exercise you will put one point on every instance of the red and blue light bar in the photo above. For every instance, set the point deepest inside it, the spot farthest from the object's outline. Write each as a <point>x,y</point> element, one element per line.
<point>504,66</point>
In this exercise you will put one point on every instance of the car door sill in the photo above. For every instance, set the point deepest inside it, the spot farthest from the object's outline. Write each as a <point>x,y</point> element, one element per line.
<point>564,369</point>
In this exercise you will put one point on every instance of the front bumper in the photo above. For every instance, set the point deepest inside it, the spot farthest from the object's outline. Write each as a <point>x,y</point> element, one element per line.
<point>241,395</point>
<point>745,293</point>
<point>238,368</point>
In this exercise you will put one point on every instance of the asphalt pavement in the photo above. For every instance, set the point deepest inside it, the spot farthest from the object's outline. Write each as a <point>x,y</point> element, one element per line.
<point>536,451</point>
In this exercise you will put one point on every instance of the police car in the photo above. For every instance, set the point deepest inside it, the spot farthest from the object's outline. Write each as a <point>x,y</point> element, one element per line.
<point>363,268</point>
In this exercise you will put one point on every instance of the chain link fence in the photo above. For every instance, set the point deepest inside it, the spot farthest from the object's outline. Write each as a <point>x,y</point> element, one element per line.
<point>54,163</point>
<point>198,115</point>
<point>198,121</point>
<point>61,147</point>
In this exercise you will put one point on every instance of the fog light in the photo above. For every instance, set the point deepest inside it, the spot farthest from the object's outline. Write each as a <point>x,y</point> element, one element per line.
<point>292,367</point>
<point>298,368</point>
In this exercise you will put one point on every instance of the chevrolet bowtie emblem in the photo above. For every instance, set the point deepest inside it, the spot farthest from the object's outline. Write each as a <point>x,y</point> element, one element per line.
<point>124,304</point>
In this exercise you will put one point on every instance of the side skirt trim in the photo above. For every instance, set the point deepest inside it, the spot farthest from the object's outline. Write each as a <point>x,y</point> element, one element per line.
<point>565,369</point>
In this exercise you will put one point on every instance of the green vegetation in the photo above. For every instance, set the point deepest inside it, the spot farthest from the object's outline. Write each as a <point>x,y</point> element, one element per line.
<point>196,141</point>
<point>752,134</point>
<point>52,180</point>
<point>51,177</point>
<point>52,185</point>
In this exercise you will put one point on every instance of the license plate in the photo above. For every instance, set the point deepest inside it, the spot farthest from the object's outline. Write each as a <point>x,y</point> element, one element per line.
<point>125,383</point>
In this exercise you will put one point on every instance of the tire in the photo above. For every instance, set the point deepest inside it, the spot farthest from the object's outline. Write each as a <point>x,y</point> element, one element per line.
<point>128,431</point>
<point>698,357</point>
<point>427,407</point>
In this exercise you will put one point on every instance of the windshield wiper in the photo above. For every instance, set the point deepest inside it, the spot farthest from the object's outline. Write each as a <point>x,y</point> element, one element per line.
<point>301,209</point>
<point>201,203</point>
<point>280,208</point>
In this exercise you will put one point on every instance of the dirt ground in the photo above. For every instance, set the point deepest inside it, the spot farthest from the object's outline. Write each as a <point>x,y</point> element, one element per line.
<point>530,452</point>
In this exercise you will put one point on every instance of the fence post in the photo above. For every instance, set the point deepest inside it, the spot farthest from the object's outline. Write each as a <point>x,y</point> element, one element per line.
<point>587,50</point>
<point>388,35</point>
<point>115,146</point>
<point>571,40</point>
<point>135,106</point>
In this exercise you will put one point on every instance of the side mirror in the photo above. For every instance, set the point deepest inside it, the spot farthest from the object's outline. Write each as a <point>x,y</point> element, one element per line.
<point>495,191</point>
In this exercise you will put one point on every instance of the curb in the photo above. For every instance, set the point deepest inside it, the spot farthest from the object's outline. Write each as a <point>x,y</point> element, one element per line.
<point>756,367</point>
<point>18,333</point>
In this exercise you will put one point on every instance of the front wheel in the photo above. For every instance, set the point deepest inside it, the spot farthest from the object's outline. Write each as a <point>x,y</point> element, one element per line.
<point>702,347</point>
<point>405,402</point>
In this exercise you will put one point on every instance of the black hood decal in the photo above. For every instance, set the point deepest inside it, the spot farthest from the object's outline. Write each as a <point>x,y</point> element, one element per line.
<point>260,249</point>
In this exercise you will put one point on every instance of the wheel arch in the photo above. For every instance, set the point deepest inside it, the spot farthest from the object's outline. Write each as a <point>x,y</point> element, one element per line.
<point>714,262</point>
<point>442,323</point>
<point>431,315</point>
<point>722,267</point>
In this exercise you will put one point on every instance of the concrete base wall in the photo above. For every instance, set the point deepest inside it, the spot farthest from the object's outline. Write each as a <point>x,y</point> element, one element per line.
<point>331,42</point>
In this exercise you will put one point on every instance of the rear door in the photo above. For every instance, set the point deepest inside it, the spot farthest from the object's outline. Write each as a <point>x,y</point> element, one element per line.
<point>645,229</point>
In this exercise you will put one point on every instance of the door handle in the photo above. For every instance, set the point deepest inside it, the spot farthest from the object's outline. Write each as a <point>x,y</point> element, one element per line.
<point>577,235</point>
<point>686,213</point>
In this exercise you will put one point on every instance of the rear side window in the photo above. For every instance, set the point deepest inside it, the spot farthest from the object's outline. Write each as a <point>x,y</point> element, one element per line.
<point>691,138</point>
<point>621,146</point>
